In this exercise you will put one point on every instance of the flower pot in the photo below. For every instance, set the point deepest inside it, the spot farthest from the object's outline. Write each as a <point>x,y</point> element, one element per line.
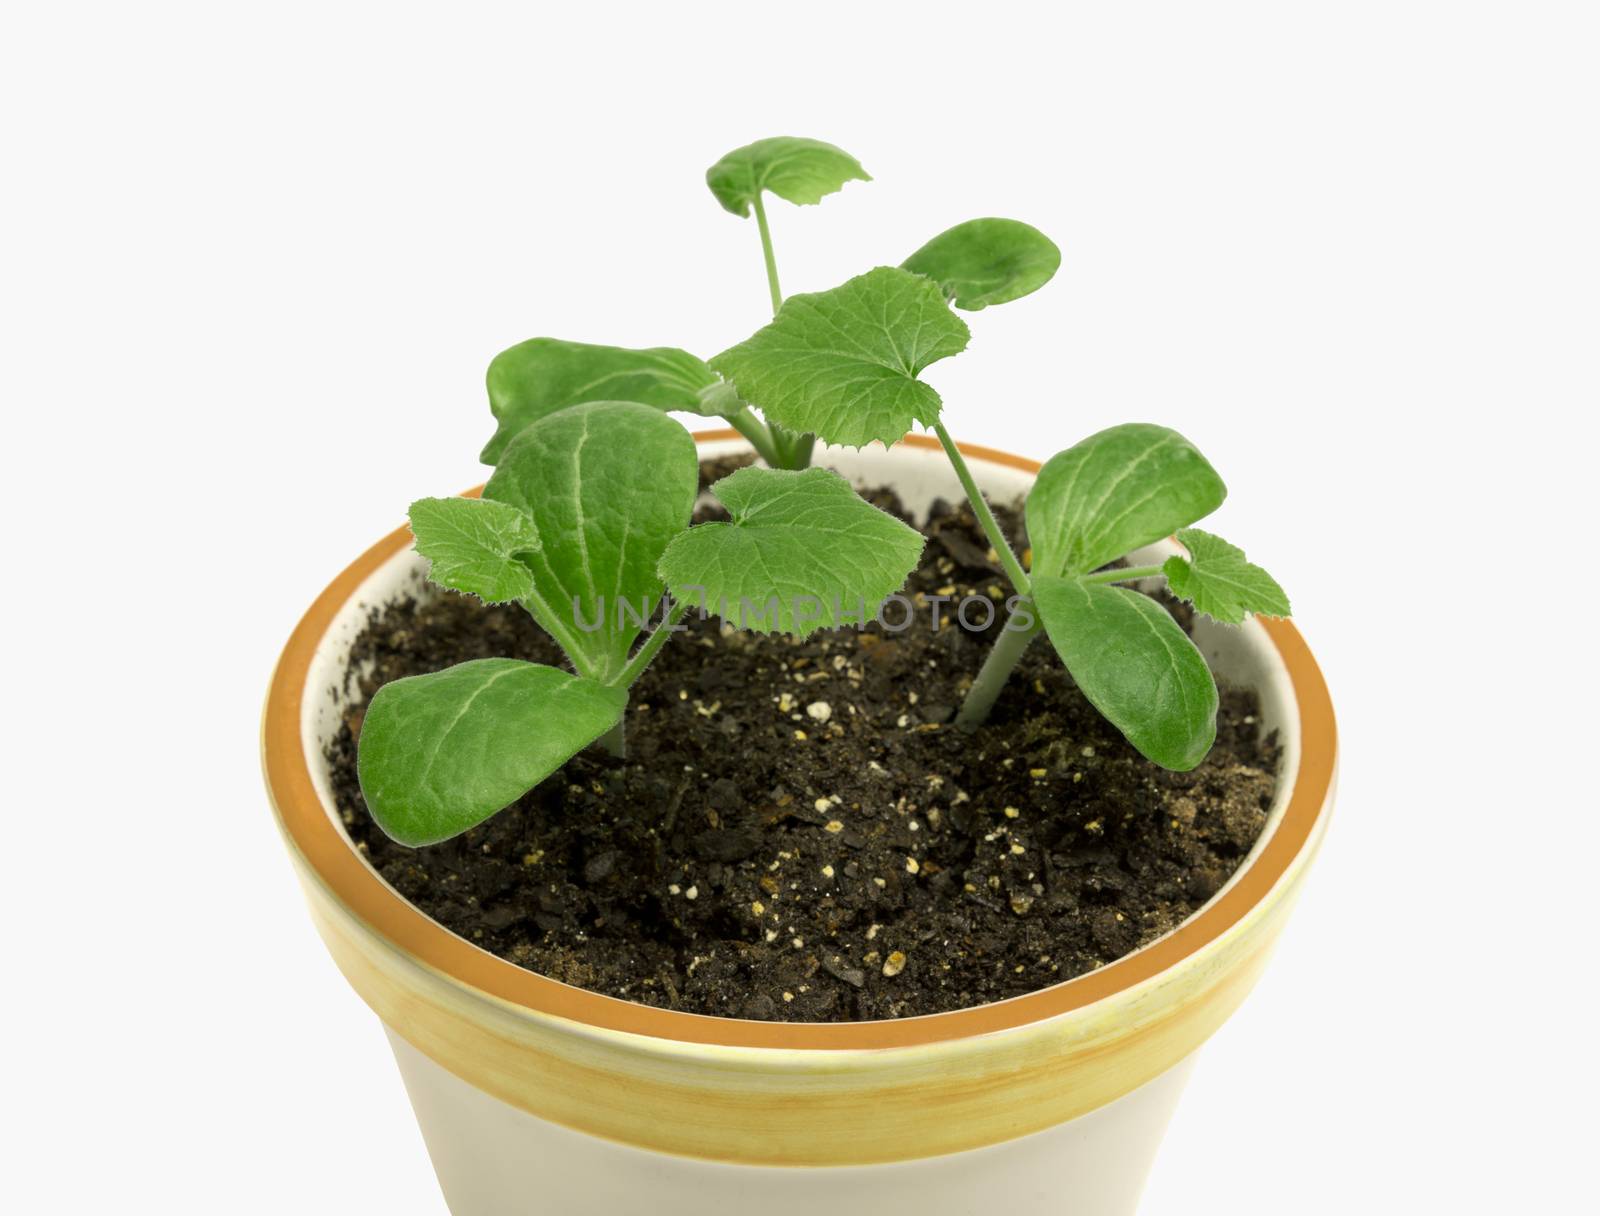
<point>537,1097</point>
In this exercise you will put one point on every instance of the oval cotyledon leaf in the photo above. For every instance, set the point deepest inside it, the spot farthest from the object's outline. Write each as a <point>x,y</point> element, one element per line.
<point>1123,488</point>
<point>987,261</point>
<point>534,379</point>
<point>1136,666</point>
<point>440,753</point>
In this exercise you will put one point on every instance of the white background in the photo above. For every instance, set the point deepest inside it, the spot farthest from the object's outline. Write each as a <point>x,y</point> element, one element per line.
<point>256,258</point>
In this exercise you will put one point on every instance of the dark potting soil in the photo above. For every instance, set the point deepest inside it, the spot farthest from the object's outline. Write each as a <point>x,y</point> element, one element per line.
<point>799,832</point>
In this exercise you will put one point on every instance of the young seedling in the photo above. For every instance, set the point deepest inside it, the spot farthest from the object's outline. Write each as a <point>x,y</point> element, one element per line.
<point>845,365</point>
<point>1115,492</point>
<point>542,375</point>
<point>583,522</point>
<point>801,171</point>
<point>569,529</point>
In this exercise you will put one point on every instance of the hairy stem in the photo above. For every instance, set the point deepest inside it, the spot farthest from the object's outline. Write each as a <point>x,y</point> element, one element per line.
<point>552,624</point>
<point>1125,575</point>
<point>1003,658</point>
<point>615,740</point>
<point>793,451</point>
<point>986,519</point>
<point>766,252</point>
<point>657,639</point>
<point>800,450</point>
<point>761,439</point>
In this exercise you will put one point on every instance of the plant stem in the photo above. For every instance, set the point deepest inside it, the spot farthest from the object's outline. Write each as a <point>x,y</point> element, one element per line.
<point>793,451</point>
<point>1003,658</point>
<point>657,639</point>
<point>1126,575</point>
<point>761,439</point>
<point>552,624</point>
<point>615,740</point>
<point>766,252</point>
<point>986,519</point>
<point>800,451</point>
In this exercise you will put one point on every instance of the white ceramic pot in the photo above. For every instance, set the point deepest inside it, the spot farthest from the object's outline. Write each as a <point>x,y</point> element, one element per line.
<point>535,1097</point>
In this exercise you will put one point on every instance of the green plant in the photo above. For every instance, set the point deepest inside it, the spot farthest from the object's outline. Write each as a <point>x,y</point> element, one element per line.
<point>542,375</point>
<point>845,364</point>
<point>586,516</point>
<point>586,520</point>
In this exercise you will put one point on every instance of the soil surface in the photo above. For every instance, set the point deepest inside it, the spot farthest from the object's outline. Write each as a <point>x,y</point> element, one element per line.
<point>799,833</point>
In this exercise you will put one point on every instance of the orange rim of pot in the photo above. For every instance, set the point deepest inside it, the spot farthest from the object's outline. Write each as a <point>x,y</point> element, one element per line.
<point>354,883</point>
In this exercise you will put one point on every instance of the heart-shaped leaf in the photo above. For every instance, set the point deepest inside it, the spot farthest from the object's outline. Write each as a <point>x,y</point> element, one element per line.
<point>542,375</point>
<point>608,484</point>
<point>1115,491</point>
<point>987,261</point>
<point>473,545</point>
<point>800,170</point>
<point>1135,665</point>
<point>804,552</point>
<point>843,364</point>
<point>440,753</point>
<point>1219,582</point>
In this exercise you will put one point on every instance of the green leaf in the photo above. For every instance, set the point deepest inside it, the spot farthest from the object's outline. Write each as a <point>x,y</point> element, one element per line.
<point>1135,665</point>
<point>1219,582</point>
<point>988,261</point>
<point>843,364</point>
<point>800,170</point>
<point>542,375</point>
<point>804,552</point>
<point>472,545</point>
<point>1120,489</point>
<point>440,753</point>
<point>608,484</point>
